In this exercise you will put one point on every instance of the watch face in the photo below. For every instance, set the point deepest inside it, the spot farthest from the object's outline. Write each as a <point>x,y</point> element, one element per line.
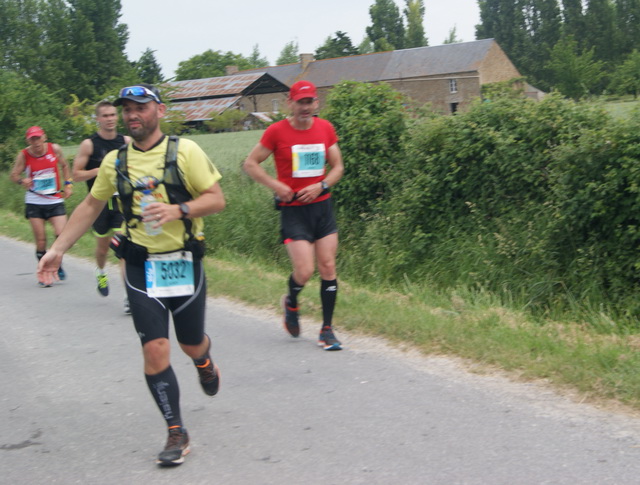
<point>184,208</point>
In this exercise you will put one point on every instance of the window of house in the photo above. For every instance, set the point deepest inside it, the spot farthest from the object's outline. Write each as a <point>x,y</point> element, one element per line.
<point>275,105</point>
<point>454,107</point>
<point>453,85</point>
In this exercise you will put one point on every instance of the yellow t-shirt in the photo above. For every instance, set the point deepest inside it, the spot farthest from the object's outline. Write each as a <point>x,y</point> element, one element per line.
<point>199,174</point>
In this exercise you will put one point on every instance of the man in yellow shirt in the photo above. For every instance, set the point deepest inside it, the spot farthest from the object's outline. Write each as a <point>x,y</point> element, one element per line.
<point>164,272</point>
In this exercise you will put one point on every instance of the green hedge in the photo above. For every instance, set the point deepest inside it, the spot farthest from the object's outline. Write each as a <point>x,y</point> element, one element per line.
<point>534,201</point>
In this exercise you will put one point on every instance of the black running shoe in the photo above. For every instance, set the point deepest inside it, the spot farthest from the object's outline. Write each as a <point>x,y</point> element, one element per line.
<point>103,283</point>
<point>328,340</point>
<point>209,374</point>
<point>291,323</point>
<point>176,448</point>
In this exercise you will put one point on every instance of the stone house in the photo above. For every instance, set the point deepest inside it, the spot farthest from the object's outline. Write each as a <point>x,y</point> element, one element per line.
<point>448,77</point>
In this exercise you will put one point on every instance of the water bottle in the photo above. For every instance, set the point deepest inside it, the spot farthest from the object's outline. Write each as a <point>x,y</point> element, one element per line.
<point>148,198</point>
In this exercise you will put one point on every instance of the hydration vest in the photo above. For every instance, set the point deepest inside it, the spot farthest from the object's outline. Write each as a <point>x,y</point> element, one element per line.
<point>172,180</point>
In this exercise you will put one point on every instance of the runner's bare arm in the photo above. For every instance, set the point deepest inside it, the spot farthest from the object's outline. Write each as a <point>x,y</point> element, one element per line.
<point>66,171</point>
<point>17,171</point>
<point>80,174</point>
<point>253,168</point>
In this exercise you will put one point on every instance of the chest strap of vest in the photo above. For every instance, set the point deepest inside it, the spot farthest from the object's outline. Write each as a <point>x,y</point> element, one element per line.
<point>172,180</point>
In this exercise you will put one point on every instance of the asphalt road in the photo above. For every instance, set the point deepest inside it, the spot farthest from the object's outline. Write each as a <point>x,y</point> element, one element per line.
<point>74,407</point>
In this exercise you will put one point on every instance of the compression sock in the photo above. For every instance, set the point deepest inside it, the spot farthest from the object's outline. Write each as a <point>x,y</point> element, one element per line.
<point>328,296</point>
<point>39,254</point>
<point>164,389</point>
<point>206,357</point>
<point>294,290</point>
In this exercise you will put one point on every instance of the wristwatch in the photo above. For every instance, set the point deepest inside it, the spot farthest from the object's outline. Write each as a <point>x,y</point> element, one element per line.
<point>324,185</point>
<point>184,208</point>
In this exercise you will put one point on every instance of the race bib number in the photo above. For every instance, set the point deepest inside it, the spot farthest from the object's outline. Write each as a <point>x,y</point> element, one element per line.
<point>45,183</point>
<point>169,274</point>
<point>308,160</point>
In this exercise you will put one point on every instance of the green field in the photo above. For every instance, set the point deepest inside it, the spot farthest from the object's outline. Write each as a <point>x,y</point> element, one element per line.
<point>460,323</point>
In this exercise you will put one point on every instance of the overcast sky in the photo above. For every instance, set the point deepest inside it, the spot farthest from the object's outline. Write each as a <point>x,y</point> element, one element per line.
<point>178,30</point>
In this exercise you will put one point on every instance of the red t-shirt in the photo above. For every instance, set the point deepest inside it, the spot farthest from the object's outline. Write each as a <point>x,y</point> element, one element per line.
<point>300,155</point>
<point>44,172</point>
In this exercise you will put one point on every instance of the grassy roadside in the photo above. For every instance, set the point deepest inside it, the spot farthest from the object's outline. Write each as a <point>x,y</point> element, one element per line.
<point>568,355</point>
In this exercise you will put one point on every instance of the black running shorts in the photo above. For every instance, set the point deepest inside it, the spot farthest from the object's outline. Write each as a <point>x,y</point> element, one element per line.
<point>307,222</point>
<point>44,211</point>
<point>110,219</point>
<point>151,315</point>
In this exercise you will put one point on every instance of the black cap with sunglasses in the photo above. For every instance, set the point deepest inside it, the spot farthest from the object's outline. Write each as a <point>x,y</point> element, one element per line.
<point>141,93</point>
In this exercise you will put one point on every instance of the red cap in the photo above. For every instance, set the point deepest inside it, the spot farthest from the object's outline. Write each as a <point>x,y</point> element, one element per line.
<point>34,131</point>
<point>301,90</point>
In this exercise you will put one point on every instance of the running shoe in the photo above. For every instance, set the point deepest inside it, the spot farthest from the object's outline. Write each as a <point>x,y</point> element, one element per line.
<point>42,285</point>
<point>291,323</point>
<point>103,283</point>
<point>328,340</point>
<point>176,448</point>
<point>62,274</point>
<point>127,308</point>
<point>209,374</point>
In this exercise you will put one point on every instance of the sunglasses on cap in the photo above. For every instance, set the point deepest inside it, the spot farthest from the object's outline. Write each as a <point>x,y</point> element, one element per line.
<point>139,91</point>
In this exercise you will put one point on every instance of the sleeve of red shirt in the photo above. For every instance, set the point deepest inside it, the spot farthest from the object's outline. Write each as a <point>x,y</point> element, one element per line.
<point>268,139</point>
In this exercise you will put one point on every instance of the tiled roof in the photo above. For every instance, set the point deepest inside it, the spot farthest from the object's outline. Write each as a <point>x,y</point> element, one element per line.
<point>383,66</point>
<point>436,60</point>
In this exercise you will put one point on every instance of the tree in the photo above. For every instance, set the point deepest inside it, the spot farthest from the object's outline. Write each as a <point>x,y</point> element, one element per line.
<point>289,54</point>
<point>414,35</point>
<point>148,68</point>
<point>337,46</point>
<point>386,30</point>
<point>24,103</point>
<point>600,31</point>
<point>525,29</point>
<point>627,16</point>
<point>573,20</point>
<point>574,74</point>
<point>366,46</point>
<point>104,58</point>
<point>453,37</point>
<point>503,20</point>
<point>255,59</point>
<point>210,64</point>
<point>230,120</point>
<point>543,22</point>
<point>626,78</point>
<point>70,46</point>
<point>20,35</point>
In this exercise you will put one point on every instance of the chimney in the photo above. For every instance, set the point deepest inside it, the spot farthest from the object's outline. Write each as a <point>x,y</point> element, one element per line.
<point>305,60</point>
<point>231,70</point>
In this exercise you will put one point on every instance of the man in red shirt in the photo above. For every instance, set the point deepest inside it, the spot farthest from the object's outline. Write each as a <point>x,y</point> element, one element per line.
<point>37,170</point>
<point>303,145</point>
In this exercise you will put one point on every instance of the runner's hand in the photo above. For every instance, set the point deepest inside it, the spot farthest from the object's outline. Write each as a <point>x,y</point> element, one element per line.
<point>48,267</point>
<point>285,193</point>
<point>310,193</point>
